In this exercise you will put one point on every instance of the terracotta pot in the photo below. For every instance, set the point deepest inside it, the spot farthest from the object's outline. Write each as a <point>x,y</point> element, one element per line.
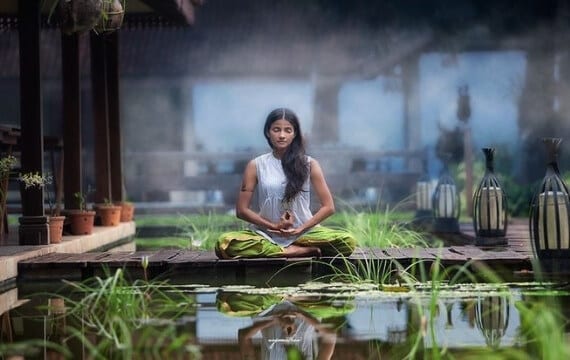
<point>56,229</point>
<point>81,221</point>
<point>110,215</point>
<point>127,211</point>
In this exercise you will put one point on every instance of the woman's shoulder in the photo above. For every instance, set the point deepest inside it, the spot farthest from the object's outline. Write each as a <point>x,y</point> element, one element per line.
<point>262,158</point>
<point>311,160</point>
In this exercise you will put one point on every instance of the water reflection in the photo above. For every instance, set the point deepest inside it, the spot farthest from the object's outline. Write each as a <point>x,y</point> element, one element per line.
<point>492,315</point>
<point>276,323</point>
<point>56,327</point>
<point>305,325</point>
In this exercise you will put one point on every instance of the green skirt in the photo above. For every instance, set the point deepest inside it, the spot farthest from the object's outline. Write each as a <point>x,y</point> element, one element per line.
<point>329,310</point>
<point>249,244</point>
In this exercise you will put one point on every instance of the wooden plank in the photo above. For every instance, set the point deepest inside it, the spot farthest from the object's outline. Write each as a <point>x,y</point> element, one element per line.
<point>377,253</point>
<point>470,252</point>
<point>119,258</point>
<point>186,256</point>
<point>447,254</point>
<point>363,254</point>
<point>400,253</point>
<point>207,256</point>
<point>420,253</point>
<point>43,259</point>
<point>518,251</point>
<point>162,256</point>
<point>395,254</point>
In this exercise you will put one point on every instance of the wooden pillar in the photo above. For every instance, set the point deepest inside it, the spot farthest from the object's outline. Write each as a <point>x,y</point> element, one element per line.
<point>100,118</point>
<point>33,228</point>
<point>325,125</point>
<point>72,166</point>
<point>113,97</point>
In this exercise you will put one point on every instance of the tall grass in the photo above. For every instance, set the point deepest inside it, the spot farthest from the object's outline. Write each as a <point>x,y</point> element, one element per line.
<point>380,227</point>
<point>119,319</point>
<point>196,231</point>
<point>375,226</point>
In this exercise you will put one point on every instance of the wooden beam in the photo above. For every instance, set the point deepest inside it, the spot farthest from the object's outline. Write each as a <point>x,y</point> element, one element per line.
<point>113,101</point>
<point>33,223</point>
<point>71,91</point>
<point>100,118</point>
<point>31,102</point>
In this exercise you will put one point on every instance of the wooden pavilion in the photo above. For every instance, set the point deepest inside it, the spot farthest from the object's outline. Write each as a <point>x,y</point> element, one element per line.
<point>29,17</point>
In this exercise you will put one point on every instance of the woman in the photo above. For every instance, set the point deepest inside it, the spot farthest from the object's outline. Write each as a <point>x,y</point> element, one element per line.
<point>281,180</point>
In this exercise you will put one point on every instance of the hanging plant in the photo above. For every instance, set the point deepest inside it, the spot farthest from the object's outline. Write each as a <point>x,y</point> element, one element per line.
<point>76,16</point>
<point>111,19</point>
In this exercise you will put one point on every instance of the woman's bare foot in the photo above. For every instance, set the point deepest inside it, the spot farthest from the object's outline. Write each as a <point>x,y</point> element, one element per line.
<point>302,251</point>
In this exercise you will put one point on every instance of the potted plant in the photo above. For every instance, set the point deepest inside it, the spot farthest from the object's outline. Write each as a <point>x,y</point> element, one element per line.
<point>77,16</point>
<point>81,220</point>
<point>127,210</point>
<point>6,165</point>
<point>111,19</point>
<point>109,214</point>
<point>55,220</point>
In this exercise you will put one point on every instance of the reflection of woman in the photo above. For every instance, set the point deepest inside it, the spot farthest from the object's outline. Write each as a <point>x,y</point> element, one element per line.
<point>306,324</point>
<point>284,328</point>
<point>281,180</point>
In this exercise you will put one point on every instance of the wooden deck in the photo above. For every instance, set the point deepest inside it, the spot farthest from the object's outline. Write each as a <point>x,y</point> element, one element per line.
<point>205,267</point>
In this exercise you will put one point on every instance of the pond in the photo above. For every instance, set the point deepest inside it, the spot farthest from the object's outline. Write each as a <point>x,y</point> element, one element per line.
<point>112,318</point>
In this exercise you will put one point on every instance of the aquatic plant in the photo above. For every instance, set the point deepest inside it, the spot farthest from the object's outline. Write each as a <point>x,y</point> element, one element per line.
<point>117,318</point>
<point>542,333</point>
<point>379,226</point>
<point>204,230</point>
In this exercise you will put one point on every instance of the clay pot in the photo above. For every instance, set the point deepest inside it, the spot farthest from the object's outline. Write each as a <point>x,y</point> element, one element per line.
<point>109,215</point>
<point>127,211</point>
<point>55,224</point>
<point>81,221</point>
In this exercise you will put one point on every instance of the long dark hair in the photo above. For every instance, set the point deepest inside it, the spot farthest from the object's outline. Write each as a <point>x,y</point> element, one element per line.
<point>294,161</point>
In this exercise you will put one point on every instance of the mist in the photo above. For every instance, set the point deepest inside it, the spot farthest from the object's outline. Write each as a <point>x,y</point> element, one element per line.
<point>374,84</point>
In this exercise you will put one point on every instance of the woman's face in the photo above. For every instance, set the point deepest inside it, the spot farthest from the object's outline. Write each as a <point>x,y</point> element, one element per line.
<point>281,134</point>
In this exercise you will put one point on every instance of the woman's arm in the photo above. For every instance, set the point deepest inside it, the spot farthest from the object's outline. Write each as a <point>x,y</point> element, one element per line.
<point>243,211</point>
<point>325,198</point>
<point>246,334</point>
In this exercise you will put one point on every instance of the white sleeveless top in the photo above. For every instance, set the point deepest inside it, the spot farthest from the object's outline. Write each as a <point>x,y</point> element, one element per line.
<point>271,181</point>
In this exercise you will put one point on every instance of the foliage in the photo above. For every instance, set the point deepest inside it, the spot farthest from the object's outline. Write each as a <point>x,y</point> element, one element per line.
<point>372,229</point>
<point>179,220</point>
<point>376,229</point>
<point>107,203</point>
<point>122,317</point>
<point>6,165</point>
<point>32,349</point>
<point>35,180</point>
<point>148,244</point>
<point>81,201</point>
<point>519,194</point>
<point>203,234</point>
<point>542,331</point>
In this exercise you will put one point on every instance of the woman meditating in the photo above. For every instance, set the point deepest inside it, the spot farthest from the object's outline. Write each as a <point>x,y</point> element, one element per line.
<point>284,226</point>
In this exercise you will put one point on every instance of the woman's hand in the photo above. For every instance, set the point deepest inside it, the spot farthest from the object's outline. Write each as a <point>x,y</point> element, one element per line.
<point>285,225</point>
<point>287,220</point>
